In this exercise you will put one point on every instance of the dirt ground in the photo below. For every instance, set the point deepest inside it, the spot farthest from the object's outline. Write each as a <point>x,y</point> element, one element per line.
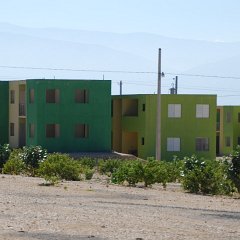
<point>98,210</point>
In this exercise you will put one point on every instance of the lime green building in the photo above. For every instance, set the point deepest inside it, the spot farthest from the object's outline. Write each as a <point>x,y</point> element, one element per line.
<point>228,129</point>
<point>188,125</point>
<point>60,115</point>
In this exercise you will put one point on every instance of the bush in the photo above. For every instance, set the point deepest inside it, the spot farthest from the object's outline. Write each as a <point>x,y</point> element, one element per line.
<point>88,173</point>
<point>109,166</point>
<point>89,162</point>
<point>130,171</point>
<point>4,154</point>
<point>208,177</point>
<point>60,166</point>
<point>33,156</point>
<point>14,165</point>
<point>234,168</point>
<point>150,172</point>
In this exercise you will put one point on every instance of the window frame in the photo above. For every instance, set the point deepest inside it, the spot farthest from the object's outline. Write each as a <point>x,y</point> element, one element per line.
<point>81,130</point>
<point>52,130</point>
<point>201,111</point>
<point>52,95</point>
<point>11,129</point>
<point>12,96</point>
<point>204,146</point>
<point>173,144</point>
<point>174,110</point>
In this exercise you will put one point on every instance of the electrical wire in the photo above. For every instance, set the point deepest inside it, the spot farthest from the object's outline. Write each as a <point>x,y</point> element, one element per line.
<point>118,71</point>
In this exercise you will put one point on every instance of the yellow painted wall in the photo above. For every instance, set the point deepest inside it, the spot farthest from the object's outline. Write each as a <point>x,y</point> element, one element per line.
<point>14,112</point>
<point>116,125</point>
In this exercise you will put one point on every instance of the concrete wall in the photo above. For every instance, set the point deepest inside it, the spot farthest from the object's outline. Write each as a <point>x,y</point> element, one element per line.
<point>67,113</point>
<point>187,128</point>
<point>4,111</point>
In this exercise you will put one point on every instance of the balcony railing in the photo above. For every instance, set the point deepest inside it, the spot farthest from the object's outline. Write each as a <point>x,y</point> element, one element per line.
<point>22,109</point>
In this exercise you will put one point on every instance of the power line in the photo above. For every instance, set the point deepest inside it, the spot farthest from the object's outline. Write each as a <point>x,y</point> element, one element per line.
<point>118,71</point>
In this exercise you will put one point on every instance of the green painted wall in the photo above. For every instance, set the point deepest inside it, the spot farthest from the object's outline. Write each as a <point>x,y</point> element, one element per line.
<point>4,111</point>
<point>229,129</point>
<point>188,127</point>
<point>96,113</point>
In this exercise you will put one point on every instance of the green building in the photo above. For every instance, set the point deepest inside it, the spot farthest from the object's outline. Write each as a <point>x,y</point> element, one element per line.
<point>188,124</point>
<point>4,112</point>
<point>228,129</point>
<point>60,115</point>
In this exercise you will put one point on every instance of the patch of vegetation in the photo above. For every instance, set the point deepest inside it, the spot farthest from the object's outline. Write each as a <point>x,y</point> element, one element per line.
<point>15,164</point>
<point>234,168</point>
<point>4,154</point>
<point>206,176</point>
<point>60,166</point>
<point>32,156</point>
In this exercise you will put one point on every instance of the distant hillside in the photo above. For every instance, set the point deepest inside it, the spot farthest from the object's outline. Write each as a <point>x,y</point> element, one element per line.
<point>68,48</point>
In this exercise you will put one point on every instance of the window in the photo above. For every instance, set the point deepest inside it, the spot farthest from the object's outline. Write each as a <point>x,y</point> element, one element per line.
<point>238,140</point>
<point>228,141</point>
<point>81,130</point>
<point>112,108</point>
<point>12,129</point>
<point>31,130</point>
<point>81,96</point>
<point>228,117</point>
<point>52,130</point>
<point>31,95</point>
<point>202,144</point>
<point>143,107</point>
<point>174,110</point>
<point>52,95</point>
<point>202,111</point>
<point>12,96</point>
<point>143,141</point>
<point>130,107</point>
<point>173,144</point>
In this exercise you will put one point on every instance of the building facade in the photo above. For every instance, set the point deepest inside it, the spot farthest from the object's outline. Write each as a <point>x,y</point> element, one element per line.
<point>188,125</point>
<point>228,129</point>
<point>60,115</point>
<point>4,112</point>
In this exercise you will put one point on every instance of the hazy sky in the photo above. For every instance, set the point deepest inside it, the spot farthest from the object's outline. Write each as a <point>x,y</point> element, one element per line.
<point>215,20</point>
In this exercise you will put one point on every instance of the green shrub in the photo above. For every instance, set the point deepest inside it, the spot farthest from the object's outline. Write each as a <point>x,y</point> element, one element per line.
<point>88,173</point>
<point>4,154</point>
<point>33,156</point>
<point>174,169</point>
<point>208,177</point>
<point>60,166</point>
<point>109,166</point>
<point>89,162</point>
<point>234,168</point>
<point>150,172</point>
<point>162,174</point>
<point>14,165</point>
<point>130,171</point>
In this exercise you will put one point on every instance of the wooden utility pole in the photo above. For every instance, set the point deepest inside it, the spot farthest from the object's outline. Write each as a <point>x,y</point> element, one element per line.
<point>158,123</point>
<point>120,87</point>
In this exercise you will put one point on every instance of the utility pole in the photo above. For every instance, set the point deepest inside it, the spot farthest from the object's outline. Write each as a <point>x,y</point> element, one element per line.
<point>176,84</point>
<point>158,124</point>
<point>120,87</point>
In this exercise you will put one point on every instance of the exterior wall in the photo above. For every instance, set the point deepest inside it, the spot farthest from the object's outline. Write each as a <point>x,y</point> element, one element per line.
<point>4,111</point>
<point>96,114</point>
<point>14,114</point>
<point>187,128</point>
<point>230,129</point>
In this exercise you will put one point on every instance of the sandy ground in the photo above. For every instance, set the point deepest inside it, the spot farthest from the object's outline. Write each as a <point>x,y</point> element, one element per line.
<point>96,210</point>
